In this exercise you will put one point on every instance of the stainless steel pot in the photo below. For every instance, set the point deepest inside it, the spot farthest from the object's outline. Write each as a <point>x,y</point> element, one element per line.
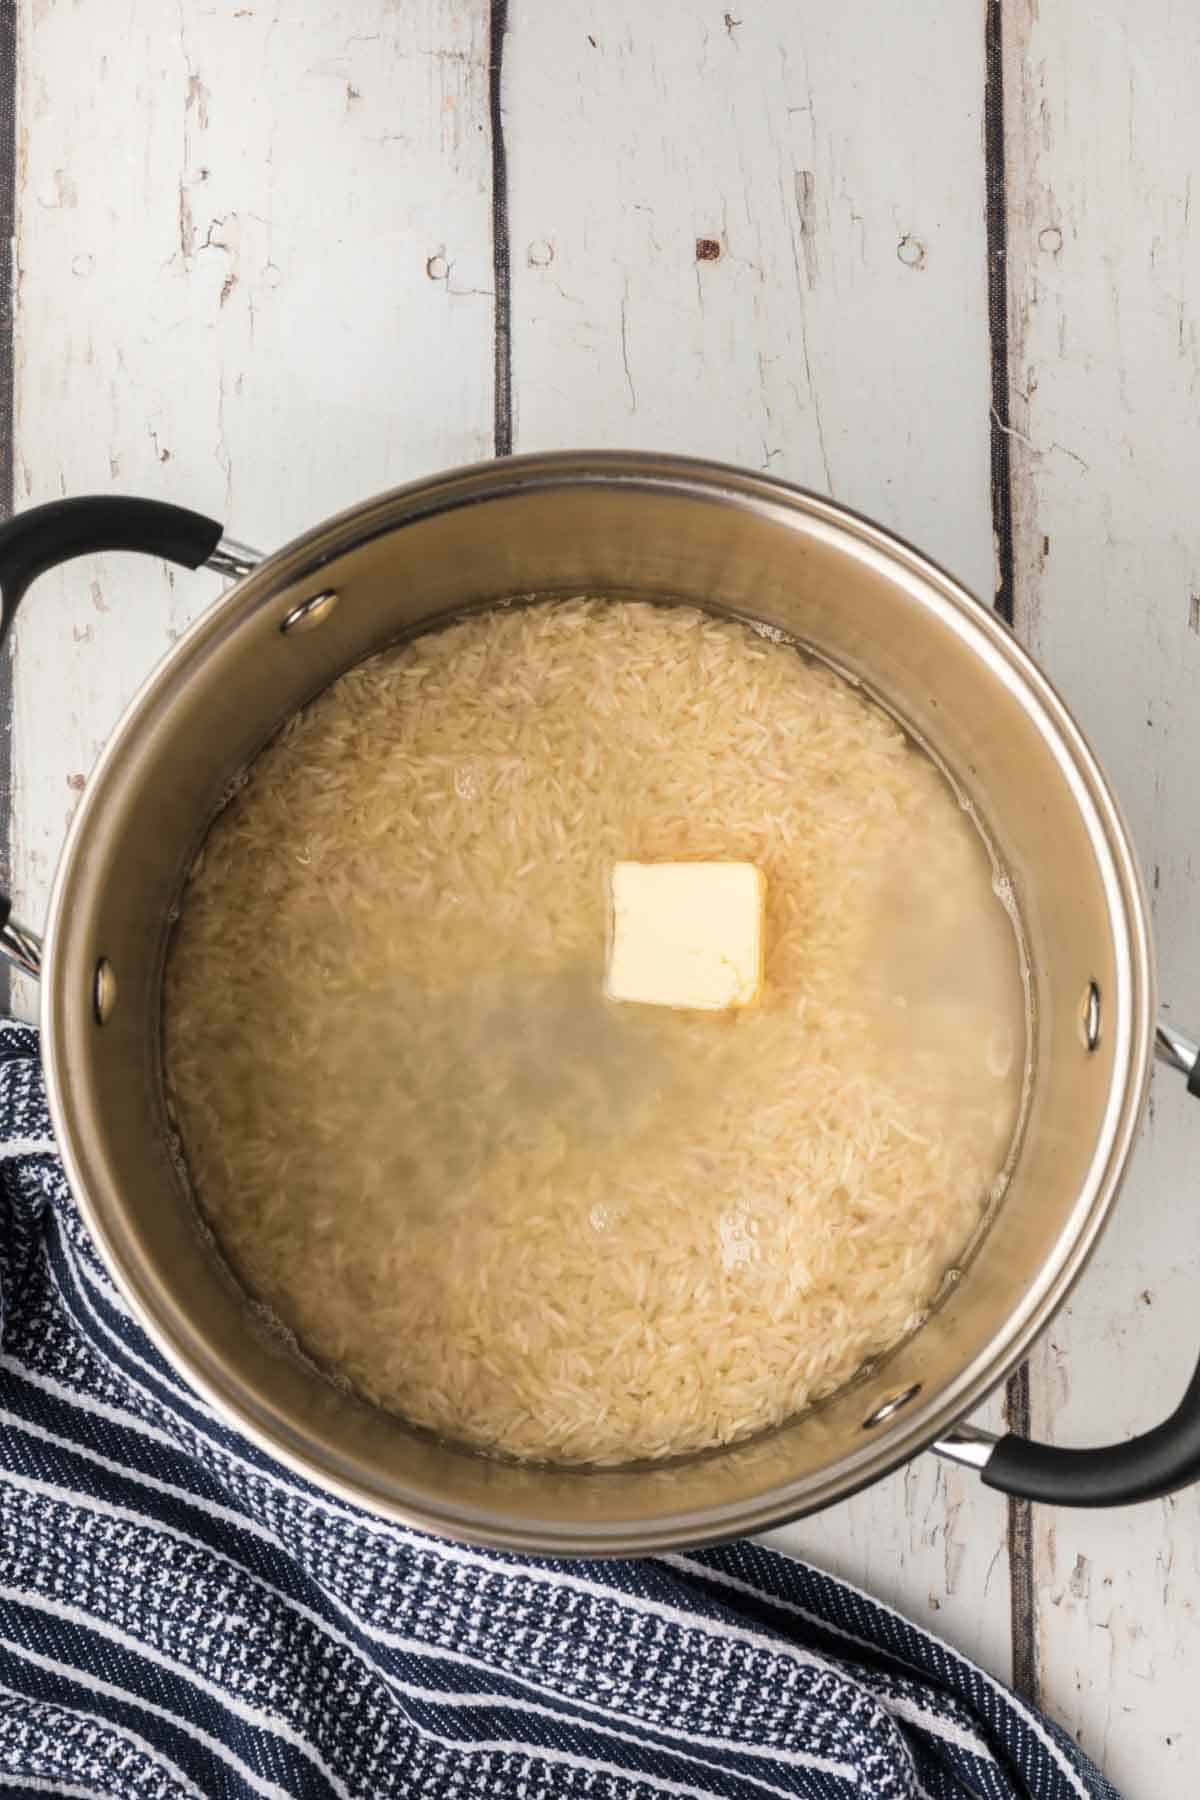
<point>630,525</point>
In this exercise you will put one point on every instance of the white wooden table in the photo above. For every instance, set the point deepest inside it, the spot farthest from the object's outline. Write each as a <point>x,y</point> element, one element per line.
<point>263,268</point>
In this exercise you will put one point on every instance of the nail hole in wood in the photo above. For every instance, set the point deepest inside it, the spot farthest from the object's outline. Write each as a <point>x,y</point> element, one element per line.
<point>911,252</point>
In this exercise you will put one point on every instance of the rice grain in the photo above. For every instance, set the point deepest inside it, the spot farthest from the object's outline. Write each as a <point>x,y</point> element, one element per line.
<point>539,1223</point>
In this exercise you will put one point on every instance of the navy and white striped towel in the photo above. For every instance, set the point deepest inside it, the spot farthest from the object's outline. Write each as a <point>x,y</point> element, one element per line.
<point>180,1616</point>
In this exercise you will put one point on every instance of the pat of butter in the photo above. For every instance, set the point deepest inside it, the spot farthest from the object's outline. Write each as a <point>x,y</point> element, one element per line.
<point>686,934</point>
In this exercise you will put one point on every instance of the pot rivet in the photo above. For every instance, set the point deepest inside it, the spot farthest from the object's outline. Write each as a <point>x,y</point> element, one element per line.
<point>310,613</point>
<point>1089,1018</point>
<point>889,1408</point>
<point>104,991</point>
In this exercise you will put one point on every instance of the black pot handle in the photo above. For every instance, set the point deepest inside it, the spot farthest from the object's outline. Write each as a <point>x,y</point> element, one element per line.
<point>45,536</point>
<point>1146,1467</point>
<point>40,539</point>
<point>1143,1468</point>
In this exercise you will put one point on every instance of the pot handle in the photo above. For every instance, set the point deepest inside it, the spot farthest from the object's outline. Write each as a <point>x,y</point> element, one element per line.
<point>45,536</point>
<point>40,539</point>
<point>1146,1467</point>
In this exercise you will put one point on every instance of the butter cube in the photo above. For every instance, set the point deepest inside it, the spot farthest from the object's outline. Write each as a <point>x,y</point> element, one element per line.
<point>686,934</point>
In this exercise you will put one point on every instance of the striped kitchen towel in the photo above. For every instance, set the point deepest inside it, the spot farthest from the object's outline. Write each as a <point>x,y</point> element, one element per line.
<point>180,1616</point>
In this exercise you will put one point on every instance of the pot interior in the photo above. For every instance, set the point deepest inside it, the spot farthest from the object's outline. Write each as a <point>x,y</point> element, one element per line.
<point>634,528</point>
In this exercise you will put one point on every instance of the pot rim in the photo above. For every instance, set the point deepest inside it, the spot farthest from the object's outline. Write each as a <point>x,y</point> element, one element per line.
<point>1131,1006</point>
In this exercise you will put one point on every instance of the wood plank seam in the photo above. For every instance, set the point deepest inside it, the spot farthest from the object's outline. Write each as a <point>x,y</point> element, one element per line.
<point>501,258</point>
<point>997,294</point>
<point>1021,1559</point>
<point>1022,1591</point>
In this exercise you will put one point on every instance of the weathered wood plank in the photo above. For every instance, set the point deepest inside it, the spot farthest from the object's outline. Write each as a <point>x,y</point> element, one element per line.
<point>1103,150</point>
<point>255,277</point>
<point>724,242</point>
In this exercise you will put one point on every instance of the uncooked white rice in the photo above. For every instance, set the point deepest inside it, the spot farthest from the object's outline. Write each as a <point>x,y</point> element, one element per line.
<point>536,1221</point>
